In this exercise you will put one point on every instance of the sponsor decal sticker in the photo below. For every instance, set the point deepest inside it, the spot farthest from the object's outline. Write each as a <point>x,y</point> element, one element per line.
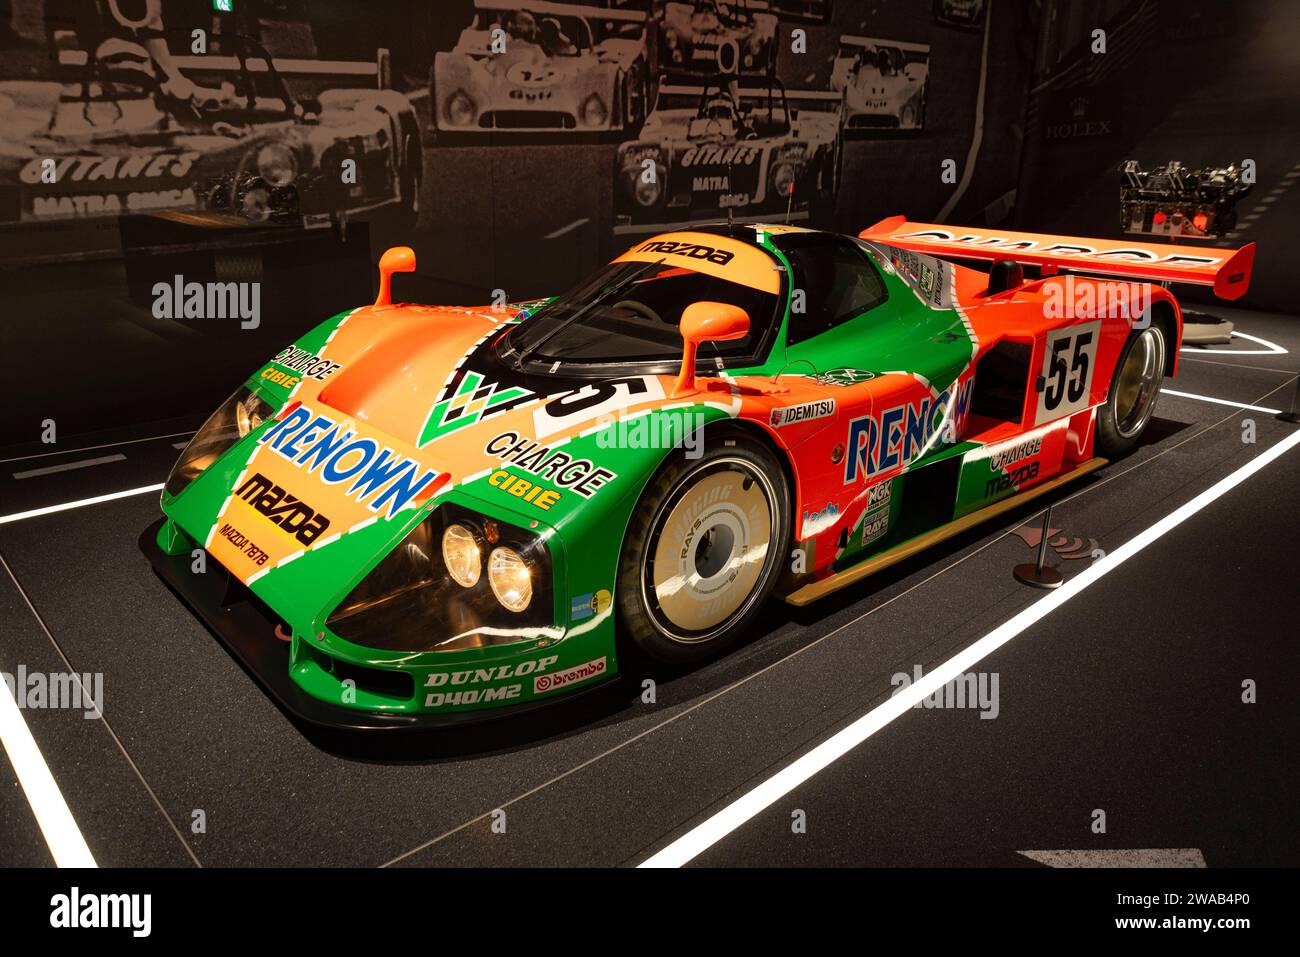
<point>814,523</point>
<point>377,476</point>
<point>523,489</point>
<point>474,400</point>
<point>569,676</point>
<point>804,412</point>
<point>879,443</point>
<point>581,475</point>
<point>593,603</point>
<point>288,511</point>
<point>843,377</point>
<point>310,365</point>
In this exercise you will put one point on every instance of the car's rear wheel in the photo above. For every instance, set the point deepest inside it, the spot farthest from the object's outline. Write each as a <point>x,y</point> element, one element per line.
<point>703,550</point>
<point>1134,388</point>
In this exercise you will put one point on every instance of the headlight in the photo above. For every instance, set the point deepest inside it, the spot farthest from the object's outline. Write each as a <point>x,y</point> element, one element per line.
<point>783,179</point>
<point>239,415</point>
<point>510,578</point>
<point>276,164</point>
<point>593,111</point>
<point>460,109</point>
<point>460,553</point>
<point>431,592</point>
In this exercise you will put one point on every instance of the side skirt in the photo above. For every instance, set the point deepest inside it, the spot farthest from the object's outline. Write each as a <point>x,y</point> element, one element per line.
<point>809,593</point>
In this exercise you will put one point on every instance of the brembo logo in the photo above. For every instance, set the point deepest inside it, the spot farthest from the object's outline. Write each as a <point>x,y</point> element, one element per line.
<point>288,511</point>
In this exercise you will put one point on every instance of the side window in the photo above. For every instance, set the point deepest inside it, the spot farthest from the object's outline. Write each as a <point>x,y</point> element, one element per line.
<point>836,280</point>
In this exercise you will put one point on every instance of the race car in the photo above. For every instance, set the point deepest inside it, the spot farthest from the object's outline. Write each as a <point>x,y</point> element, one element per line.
<point>417,516</point>
<point>884,82</point>
<point>705,37</point>
<point>104,141</point>
<point>543,67</point>
<point>724,148</point>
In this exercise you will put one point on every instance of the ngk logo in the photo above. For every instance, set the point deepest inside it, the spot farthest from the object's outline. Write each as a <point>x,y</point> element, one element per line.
<point>288,511</point>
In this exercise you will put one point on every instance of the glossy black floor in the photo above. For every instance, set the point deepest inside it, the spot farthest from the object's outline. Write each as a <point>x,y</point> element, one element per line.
<point>1127,699</point>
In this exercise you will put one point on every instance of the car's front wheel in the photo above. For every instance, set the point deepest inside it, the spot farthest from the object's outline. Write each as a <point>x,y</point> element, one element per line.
<point>703,550</point>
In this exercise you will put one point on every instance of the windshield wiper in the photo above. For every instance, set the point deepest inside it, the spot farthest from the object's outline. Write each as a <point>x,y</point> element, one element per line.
<point>565,323</point>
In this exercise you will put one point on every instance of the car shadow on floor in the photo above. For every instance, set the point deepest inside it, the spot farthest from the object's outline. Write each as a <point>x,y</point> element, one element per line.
<point>784,630</point>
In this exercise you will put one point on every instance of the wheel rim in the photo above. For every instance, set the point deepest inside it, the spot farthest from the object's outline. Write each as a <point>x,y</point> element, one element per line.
<point>1137,383</point>
<point>710,551</point>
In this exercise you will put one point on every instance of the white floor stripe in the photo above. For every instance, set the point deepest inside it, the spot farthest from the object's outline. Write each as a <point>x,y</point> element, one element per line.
<point>67,846</point>
<point>715,828</point>
<point>69,466</point>
<point>80,503</point>
<point>1206,398</point>
<point>1273,349</point>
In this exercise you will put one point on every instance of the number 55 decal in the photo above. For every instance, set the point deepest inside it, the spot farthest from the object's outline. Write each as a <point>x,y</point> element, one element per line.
<point>593,401</point>
<point>1068,363</point>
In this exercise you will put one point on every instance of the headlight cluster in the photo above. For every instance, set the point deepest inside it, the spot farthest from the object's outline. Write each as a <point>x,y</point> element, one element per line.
<point>509,574</point>
<point>458,580</point>
<point>239,415</point>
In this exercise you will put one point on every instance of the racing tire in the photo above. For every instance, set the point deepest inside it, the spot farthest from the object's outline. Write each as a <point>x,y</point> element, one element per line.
<point>703,549</point>
<point>1134,389</point>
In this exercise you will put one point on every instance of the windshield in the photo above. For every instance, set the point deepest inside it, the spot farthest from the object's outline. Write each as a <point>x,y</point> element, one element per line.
<point>629,312</point>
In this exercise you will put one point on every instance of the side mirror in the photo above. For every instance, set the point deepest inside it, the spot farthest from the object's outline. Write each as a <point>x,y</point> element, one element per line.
<point>396,259</point>
<point>706,322</point>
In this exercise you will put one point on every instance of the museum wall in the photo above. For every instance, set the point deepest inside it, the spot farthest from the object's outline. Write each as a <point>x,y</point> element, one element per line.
<point>514,182</point>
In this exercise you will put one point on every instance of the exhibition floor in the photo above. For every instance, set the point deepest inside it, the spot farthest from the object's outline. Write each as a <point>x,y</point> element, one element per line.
<point>1126,699</point>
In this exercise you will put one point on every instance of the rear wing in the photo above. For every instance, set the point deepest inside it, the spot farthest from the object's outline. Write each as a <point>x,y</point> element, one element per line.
<point>1226,270</point>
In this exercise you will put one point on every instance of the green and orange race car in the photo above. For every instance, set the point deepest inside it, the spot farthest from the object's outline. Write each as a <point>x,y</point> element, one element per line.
<point>417,516</point>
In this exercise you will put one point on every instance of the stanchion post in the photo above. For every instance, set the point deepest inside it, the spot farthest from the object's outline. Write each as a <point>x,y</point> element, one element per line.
<point>1038,574</point>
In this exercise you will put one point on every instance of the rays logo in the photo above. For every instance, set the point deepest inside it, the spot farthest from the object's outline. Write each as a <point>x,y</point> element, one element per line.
<point>473,401</point>
<point>288,511</point>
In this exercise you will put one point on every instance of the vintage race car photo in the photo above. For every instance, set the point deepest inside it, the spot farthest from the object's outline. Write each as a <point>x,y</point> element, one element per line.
<point>704,37</point>
<point>419,515</point>
<point>730,147</point>
<point>884,82</point>
<point>543,67</point>
<point>106,141</point>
